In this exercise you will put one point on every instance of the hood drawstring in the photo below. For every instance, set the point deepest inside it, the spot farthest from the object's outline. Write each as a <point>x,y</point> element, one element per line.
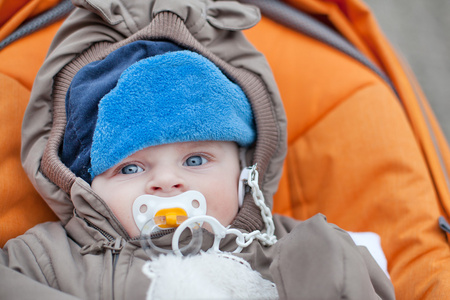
<point>100,246</point>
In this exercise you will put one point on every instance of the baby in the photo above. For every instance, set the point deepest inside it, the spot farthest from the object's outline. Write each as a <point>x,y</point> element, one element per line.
<point>155,121</point>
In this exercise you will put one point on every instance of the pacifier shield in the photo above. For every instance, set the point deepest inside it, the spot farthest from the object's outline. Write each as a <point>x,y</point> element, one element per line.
<point>171,211</point>
<point>157,216</point>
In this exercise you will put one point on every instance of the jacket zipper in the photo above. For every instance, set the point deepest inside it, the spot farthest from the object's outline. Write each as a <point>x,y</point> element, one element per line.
<point>155,235</point>
<point>115,245</point>
<point>104,233</point>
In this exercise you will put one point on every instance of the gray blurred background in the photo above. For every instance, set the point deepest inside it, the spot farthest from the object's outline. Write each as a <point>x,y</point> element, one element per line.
<point>420,31</point>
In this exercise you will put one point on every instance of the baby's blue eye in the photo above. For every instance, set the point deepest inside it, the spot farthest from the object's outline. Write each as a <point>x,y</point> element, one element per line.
<point>131,169</point>
<point>195,160</point>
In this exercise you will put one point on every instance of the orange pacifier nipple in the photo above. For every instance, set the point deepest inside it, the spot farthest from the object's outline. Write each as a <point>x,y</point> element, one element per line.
<point>170,217</point>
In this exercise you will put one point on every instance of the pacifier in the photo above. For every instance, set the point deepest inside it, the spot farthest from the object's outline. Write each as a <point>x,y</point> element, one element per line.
<point>155,216</point>
<point>158,213</point>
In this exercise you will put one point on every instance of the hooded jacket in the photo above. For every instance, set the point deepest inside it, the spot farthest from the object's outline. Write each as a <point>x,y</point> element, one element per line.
<point>88,254</point>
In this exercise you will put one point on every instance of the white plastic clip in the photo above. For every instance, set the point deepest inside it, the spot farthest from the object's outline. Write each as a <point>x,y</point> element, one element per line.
<point>218,229</point>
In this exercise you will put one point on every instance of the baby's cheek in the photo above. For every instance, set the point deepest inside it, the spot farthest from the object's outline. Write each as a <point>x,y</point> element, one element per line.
<point>226,213</point>
<point>131,227</point>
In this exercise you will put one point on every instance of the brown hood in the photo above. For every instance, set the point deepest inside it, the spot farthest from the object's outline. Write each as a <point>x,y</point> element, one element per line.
<point>97,28</point>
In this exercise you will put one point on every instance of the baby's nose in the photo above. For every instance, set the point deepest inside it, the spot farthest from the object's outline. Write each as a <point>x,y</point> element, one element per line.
<point>167,183</point>
<point>166,188</point>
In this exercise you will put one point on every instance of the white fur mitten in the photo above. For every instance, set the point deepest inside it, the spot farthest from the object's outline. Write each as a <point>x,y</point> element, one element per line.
<point>206,276</point>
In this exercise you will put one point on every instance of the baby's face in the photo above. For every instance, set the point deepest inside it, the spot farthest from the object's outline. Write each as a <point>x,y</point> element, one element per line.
<point>211,167</point>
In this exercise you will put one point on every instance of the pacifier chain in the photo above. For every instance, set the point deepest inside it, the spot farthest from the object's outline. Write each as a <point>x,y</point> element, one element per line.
<point>267,238</point>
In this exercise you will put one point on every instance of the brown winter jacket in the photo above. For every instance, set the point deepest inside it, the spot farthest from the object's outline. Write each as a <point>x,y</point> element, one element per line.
<point>88,254</point>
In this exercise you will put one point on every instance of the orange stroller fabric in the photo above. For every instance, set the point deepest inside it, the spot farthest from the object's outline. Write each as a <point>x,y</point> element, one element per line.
<point>357,154</point>
<point>21,207</point>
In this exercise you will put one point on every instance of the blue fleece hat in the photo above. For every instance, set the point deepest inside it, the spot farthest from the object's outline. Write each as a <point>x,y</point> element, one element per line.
<point>177,96</point>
